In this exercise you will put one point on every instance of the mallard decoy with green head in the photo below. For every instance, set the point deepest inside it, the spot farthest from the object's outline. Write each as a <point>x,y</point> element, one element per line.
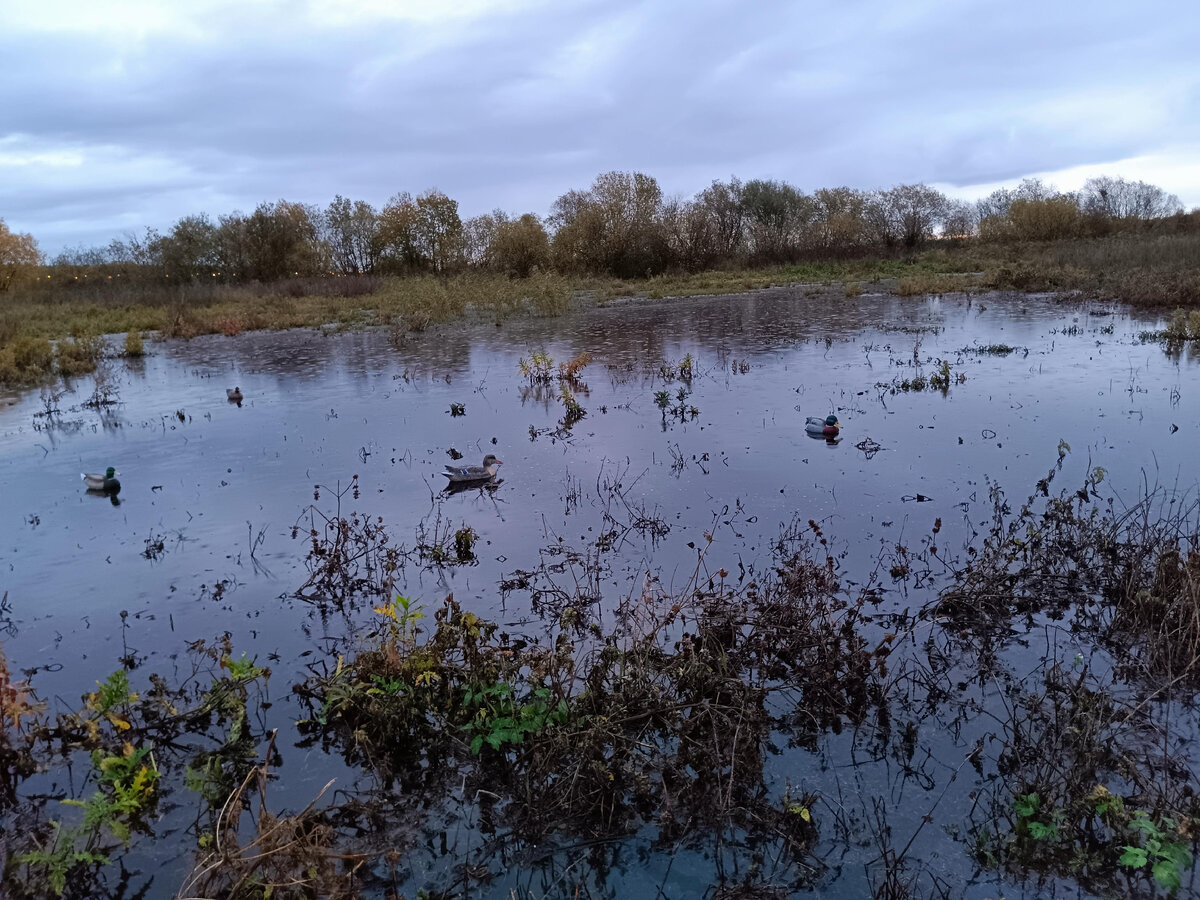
<point>463,474</point>
<point>827,427</point>
<point>106,482</point>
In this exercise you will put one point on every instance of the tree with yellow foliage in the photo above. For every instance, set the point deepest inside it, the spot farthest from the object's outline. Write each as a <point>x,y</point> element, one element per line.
<point>19,253</point>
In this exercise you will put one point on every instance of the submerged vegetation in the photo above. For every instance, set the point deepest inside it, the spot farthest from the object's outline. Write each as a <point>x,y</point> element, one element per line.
<point>670,721</point>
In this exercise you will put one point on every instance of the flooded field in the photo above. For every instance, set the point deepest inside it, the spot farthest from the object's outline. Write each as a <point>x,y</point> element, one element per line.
<point>677,647</point>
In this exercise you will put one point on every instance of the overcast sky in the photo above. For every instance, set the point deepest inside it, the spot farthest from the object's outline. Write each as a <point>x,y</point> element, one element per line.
<point>118,116</point>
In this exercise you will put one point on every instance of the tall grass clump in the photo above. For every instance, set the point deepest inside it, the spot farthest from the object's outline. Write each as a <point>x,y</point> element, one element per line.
<point>79,354</point>
<point>418,302</point>
<point>134,347</point>
<point>1184,326</point>
<point>914,285</point>
<point>26,360</point>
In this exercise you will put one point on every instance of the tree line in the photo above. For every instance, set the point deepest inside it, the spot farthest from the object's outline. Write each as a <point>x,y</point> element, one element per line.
<point>622,226</point>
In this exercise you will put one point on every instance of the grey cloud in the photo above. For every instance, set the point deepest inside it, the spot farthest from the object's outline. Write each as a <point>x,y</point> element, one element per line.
<point>867,94</point>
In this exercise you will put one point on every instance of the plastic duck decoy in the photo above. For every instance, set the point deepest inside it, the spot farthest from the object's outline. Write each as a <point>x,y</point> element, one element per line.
<point>107,482</point>
<point>234,394</point>
<point>465,474</point>
<point>827,427</point>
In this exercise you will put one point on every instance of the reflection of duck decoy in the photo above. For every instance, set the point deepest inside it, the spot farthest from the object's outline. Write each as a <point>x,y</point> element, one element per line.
<point>491,485</point>
<point>466,474</point>
<point>107,482</point>
<point>234,394</point>
<point>827,427</point>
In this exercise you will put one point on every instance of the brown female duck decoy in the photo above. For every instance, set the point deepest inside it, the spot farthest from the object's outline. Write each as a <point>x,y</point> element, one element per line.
<point>464,474</point>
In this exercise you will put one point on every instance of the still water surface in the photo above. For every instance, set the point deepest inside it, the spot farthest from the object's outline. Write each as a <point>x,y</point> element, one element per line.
<point>203,477</point>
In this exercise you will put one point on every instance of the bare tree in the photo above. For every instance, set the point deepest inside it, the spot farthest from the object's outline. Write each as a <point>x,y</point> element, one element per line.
<point>840,224</point>
<point>907,215</point>
<point>959,221</point>
<point>134,250</point>
<point>350,230</point>
<point>778,219</point>
<point>1121,200</point>
<point>478,234</point>
<point>722,205</point>
<point>691,234</point>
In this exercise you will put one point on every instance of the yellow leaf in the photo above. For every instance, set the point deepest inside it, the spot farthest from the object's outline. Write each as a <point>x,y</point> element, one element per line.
<point>805,814</point>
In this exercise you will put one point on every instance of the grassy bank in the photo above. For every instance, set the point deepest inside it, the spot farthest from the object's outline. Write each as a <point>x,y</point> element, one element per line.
<point>29,322</point>
<point>1156,270</point>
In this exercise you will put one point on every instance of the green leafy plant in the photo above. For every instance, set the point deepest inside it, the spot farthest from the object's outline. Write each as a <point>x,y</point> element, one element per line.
<point>127,787</point>
<point>1026,806</point>
<point>1161,850</point>
<point>111,697</point>
<point>51,864</point>
<point>386,685</point>
<point>126,790</point>
<point>941,380</point>
<point>402,616</point>
<point>574,410</point>
<point>499,719</point>
<point>539,368</point>
<point>243,668</point>
<point>681,409</point>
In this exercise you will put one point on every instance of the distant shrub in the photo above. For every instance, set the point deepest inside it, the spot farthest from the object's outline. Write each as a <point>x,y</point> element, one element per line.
<point>229,326</point>
<point>181,322</point>
<point>133,344</point>
<point>79,355</point>
<point>1184,326</point>
<point>1045,220</point>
